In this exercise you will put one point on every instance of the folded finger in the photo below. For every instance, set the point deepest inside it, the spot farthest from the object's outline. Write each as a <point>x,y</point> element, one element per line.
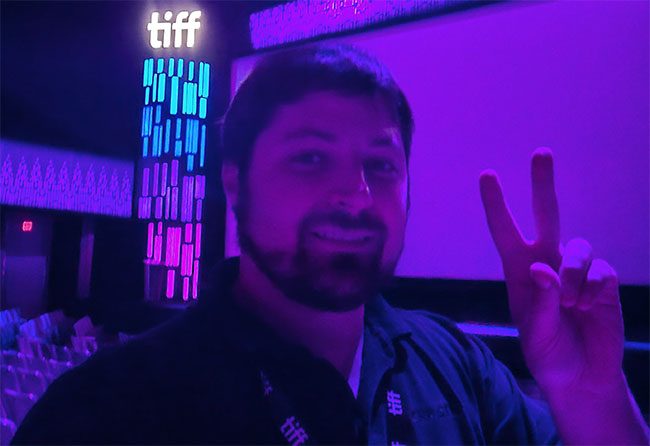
<point>573,270</point>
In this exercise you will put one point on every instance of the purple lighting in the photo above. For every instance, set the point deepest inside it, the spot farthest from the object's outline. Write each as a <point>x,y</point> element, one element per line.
<point>22,182</point>
<point>304,19</point>
<point>174,111</point>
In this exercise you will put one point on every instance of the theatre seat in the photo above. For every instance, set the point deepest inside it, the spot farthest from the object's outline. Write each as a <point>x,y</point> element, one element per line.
<point>17,404</point>
<point>9,379</point>
<point>7,431</point>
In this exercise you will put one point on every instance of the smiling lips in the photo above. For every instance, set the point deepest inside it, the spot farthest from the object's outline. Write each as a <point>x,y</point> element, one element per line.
<point>345,237</point>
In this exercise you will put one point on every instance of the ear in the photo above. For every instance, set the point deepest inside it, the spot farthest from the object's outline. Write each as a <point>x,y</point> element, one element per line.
<point>230,180</point>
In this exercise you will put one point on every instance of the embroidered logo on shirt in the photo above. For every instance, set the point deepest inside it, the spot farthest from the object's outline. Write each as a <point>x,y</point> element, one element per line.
<point>394,403</point>
<point>292,431</point>
<point>267,385</point>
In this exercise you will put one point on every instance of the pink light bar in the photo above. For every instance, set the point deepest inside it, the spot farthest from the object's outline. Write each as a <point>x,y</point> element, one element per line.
<point>177,246</point>
<point>149,240</point>
<point>200,187</point>
<point>188,233</point>
<point>195,280</point>
<point>189,259</point>
<point>160,228</point>
<point>174,203</point>
<point>170,283</point>
<point>174,179</point>
<point>145,182</point>
<point>157,248</point>
<point>159,207</point>
<point>140,207</point>
<point>190,200</point>
<point>168,246</point>
<point>199,209</point>
<point>184,260</point>
<point>197,241</point>
<point>186,288</point>
<point>156,174</point>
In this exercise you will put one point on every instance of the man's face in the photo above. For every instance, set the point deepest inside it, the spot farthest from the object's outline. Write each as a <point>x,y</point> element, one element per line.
<point>323,211</point>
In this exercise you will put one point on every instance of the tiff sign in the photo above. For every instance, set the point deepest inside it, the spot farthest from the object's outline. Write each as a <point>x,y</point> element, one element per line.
<point>185,23</point>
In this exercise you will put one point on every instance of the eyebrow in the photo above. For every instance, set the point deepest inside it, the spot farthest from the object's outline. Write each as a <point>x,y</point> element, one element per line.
<point>311,132</point>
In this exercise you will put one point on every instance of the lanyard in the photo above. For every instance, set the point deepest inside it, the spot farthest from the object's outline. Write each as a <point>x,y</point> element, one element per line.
<point>399,430</point>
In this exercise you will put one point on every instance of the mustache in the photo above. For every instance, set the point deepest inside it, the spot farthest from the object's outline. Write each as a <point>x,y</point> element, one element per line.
<point>342,219</point>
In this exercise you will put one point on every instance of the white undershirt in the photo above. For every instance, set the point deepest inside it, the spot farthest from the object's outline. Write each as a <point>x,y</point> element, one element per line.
<point>355,372</point>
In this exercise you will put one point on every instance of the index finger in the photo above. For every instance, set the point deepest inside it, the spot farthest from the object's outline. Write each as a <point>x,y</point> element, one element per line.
<point>505,232</point>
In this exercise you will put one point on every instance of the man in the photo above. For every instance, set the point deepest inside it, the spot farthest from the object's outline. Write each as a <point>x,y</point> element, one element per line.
<point>298,347</point>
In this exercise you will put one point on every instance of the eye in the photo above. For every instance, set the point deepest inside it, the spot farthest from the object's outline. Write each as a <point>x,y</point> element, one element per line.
<point>308,159</point>
<point>382,167</point>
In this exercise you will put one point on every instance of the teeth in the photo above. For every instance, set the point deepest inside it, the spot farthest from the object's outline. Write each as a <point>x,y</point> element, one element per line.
<point>343,236</point>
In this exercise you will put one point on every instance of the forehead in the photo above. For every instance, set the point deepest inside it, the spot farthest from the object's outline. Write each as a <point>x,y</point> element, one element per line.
<point>336,113</point>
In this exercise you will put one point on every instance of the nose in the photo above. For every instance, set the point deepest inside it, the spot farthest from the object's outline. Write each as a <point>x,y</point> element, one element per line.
<point>351,191</point>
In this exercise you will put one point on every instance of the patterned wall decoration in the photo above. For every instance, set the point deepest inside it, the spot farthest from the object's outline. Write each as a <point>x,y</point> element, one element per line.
<point>47,178</point>
<point>304,19</point>
<point>171,183</point>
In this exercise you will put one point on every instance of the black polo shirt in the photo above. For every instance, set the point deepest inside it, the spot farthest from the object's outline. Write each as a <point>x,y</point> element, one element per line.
<point>217,375</point>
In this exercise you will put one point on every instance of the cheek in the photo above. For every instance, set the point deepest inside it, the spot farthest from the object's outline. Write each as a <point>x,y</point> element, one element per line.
<point>275,212</point>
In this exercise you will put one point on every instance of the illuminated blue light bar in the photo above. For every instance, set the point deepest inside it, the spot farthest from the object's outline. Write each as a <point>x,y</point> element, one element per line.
<point>161,87</point>
<point>488,330</point>
<point>147,91</point>
<point>170,73</point>
<point>178,148</point>
<point>154,95</point>
<point>145,72</point>
<point>154,141</point>
<point>201,79</point>
<point>190,71</point>
<point>158,111</point>
<point>161,65</point>
<point>206,80</point>
<point>305,19</point>
<point>168,129</point>
<point>173,103</point>
<point>160,139</point>
<point>149,120</point>
<point>511,332</point>
<point>179,123</point>
<point>202,158</point>
<point>145,147</point>
<point>194,91</point>
<point>180,67</point>
<point>184,98</point>
<point>190,163</point>
<point>188,136</point>
<point>203,107</point>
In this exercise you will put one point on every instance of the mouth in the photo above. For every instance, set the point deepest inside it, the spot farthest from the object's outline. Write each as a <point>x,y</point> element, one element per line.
<point>345,237</point>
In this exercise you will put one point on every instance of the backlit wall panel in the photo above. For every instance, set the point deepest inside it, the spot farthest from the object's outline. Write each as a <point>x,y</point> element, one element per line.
<point>171,186</point>
<point>488,86</point>
<point>47,178</point>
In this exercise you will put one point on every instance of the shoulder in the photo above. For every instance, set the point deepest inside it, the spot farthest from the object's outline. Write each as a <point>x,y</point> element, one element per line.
<point>439,333</point>
<point>129,388</point>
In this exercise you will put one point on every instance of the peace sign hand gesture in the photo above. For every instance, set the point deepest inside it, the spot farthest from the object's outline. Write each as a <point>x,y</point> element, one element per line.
<point>565,304</point>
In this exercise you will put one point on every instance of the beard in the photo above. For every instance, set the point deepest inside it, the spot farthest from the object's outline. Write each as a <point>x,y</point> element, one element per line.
<point>326,281</point>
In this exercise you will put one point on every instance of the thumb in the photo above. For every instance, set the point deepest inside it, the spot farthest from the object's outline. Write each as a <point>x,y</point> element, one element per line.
<point>544,313</point>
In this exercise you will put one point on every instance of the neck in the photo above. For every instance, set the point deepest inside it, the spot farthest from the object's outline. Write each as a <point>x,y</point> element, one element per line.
<point>328,335</point>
